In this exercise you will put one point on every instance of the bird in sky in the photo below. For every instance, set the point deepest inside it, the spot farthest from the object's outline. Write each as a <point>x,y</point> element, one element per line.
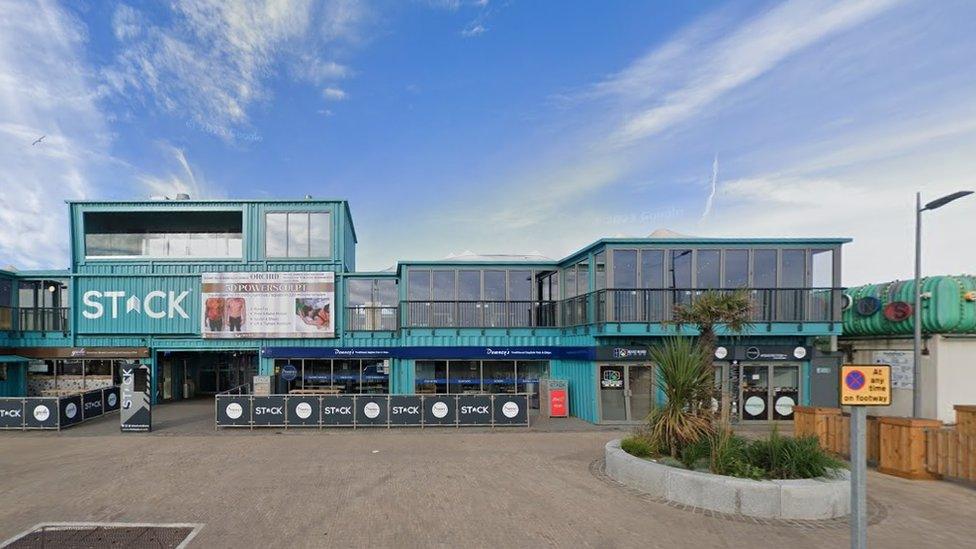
<point>38,140</point>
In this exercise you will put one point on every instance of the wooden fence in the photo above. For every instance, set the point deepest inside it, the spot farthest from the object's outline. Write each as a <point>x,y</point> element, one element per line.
<point>906,447</point>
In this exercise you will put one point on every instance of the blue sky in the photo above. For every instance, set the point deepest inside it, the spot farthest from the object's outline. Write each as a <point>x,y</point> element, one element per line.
<point>502,126</point>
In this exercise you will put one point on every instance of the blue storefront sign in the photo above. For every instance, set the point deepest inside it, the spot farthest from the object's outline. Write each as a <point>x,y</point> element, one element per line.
<point>498,353</point>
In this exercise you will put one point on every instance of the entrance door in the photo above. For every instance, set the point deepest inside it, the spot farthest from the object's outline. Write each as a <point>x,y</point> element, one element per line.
<point>769,392</point>
<point>626,392</point>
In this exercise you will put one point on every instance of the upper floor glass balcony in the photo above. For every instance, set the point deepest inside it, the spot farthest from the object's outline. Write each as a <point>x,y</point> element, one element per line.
<point>34,319</point>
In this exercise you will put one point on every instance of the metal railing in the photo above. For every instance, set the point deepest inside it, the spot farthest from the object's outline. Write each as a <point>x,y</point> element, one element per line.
<point>7,318</point>
<point>373,318</point>
<point>478,314</point>
<point>768,304</point>
<point>242,389</point>
<point>41,319</point>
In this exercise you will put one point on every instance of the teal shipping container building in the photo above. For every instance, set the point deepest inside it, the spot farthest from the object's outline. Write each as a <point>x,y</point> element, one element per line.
<point>211,293</point>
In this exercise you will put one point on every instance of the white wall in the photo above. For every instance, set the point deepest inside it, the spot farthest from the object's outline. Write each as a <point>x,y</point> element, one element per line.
<point>957,374</point>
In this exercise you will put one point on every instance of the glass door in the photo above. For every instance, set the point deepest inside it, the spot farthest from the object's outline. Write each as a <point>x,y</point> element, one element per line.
<point>613,400</point>
<point>755,393</point>
<point>640,391</point>
<point>785,391</point>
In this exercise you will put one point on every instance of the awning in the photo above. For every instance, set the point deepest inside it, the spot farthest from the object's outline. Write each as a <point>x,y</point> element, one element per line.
<point>13,358</point>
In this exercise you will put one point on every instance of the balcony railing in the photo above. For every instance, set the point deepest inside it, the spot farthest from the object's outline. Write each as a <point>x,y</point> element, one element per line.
<point>768,304</point>
<point>479,314</point>
<point>40,319</point>
<point>373,318</point>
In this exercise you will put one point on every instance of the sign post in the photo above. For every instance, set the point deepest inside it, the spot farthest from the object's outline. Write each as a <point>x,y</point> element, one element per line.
<point>862,385</point>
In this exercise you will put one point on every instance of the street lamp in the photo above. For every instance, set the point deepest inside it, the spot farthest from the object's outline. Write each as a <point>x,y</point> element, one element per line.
<point>917,378</point>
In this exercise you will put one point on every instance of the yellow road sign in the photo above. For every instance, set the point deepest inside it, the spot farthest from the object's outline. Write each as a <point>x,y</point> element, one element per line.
<point>865,385</point>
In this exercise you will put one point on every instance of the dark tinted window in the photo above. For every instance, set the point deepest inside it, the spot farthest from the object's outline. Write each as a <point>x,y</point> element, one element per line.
<point>708,268</point>
<point>736,268</point>
<point>764,269</point>
<point>625,268</point>
<point>680,276</point>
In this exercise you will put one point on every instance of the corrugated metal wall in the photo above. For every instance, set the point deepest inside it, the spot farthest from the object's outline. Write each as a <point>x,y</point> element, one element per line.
<point>582,386</point>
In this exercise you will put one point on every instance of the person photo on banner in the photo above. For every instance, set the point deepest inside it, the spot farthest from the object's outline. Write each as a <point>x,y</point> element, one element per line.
<point>215,314</point>
<point>236,313</point>
<point>314,312</point>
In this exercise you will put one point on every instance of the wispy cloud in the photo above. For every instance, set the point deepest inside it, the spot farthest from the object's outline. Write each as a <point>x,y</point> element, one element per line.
<point>691,73</point>
<point>44,90</point>
<point>212,61</point>
<point>334,94</point>
<point>712,190</point>
<point>181,179</point>
<point>473,29</point>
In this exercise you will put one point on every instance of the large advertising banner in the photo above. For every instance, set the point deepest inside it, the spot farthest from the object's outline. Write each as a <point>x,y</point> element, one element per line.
<point>280,305</point>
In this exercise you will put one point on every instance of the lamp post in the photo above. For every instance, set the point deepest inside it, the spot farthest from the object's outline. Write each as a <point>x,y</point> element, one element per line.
<point>917,311</point>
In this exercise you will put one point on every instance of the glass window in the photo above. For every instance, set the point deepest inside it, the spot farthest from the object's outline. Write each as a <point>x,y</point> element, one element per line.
<point>465,376</point>
<point>822,268</point>
<point>317,374</point>
<point>276,235</point>
<point>431,377</point>
<point>6,292</point>
<point>652,268</point>
<point>625,269</point>
<point>318,234</point>
<point>680,269</point>
<point>764,268</point>
<point>298,235</point>
<point>359,292</point>
<point>469,285</point>
<point>444,286</point>
<point>736,268</point>
<point>376,377</point>
<point>418,285</point>
<point>98,367</point>
<point>345,375</point>
<point>499,376</point>
<point>520,285</point>
<point>386,292</point>
<point>582,277</point>
<point>601,270</point>
<point>494,285</point>
<point>708,269</point>
<point>529,373</point>
<point>71,367</point>
<point>570,275</point>
<point>25,294</point>
<point>794,263</point>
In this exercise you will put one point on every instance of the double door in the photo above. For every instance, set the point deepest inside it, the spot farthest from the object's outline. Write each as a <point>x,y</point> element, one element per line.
<point>626,392</point>
<point>757,392</point>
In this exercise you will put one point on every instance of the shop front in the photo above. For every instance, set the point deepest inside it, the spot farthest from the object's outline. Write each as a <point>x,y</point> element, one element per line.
<point>759,383</point>
<point>627,385</point>
<point>55,371</point>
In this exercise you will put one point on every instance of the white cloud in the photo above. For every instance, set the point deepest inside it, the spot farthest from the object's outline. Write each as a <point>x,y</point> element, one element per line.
<point>44,90</point>
<point>475,29</point>
<point>698,76</point>
<point>213,60</point>
<point>127,23</point>
<point>183,179</point>
<point>334,94</point>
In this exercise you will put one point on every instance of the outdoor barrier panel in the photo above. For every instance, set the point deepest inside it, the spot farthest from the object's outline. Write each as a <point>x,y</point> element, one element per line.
<point>12,413</point>
<point>233,410</point>
<point>440,410</point>
<point>92,404</point>
<point>371,410</point>
<point>474,409</point>
<point>303,411</point>
<point>268,410</point>
<point>41,413</point>
<point>24,413</point>
<point>407,410</point>
<point>70,408</point>
<point>111,399</point>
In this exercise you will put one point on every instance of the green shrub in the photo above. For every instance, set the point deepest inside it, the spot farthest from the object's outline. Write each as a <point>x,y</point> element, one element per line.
<point>792,458</point>
<point>702,464</point>
<point>637,446</point>
<point>696,451</point>
<point>671,462</point>
<point>729,457</point>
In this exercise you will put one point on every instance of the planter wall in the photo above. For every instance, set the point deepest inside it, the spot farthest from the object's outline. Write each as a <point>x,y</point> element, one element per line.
<point>808,499</point>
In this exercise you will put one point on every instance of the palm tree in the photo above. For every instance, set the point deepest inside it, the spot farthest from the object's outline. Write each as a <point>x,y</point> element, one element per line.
<point>730,309</point>
<point>685,376</point>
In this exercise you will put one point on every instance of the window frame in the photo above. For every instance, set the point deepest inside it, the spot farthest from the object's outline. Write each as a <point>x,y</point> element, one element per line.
<point>148,257</point>
<point>308,230</point>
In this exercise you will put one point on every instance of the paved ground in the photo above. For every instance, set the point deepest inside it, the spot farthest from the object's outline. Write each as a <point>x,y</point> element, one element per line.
<point>400,488</point>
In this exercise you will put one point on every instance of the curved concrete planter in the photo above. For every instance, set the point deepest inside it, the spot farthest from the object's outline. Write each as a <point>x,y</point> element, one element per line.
<point>807,499</point>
